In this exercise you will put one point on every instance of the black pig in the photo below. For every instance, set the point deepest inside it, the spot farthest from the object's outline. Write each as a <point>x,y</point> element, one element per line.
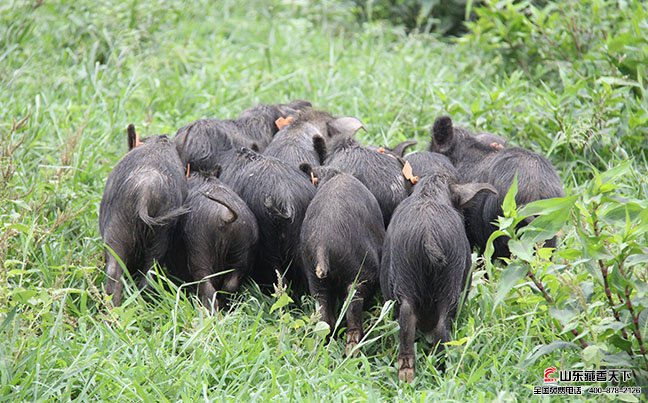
<point>303,141</point>
<point>341,240</point>
<point>306,140</point>
<point>278,195</point>
<point>381,173</point>
<point>426,259</point>
<point>218,234</point>
<point>479,160</point>
<point>204,143</point>
<point>259,123</point>
<point>141,203</point>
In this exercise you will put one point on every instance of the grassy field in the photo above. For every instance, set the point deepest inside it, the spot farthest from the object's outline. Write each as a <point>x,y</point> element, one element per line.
<point>568,81</point>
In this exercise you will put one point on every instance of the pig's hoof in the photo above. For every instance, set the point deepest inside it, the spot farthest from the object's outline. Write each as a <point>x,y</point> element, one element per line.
<point>406,375</point>
<point>211,306</point>
<point>353,339</point>
<point>406,369</point>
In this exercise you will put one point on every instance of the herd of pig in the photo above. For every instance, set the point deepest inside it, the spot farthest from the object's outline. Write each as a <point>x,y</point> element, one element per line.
<point>287,189</point>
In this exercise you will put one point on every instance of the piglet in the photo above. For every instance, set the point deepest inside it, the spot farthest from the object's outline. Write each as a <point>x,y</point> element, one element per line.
<point>485,158</point>
<point>381,173</point>
<point>278,195</point>
<point>426,259</point>
<point>204,143</point>
<point>341,241</point>
<point>218,236</point>
<point>142,201</point>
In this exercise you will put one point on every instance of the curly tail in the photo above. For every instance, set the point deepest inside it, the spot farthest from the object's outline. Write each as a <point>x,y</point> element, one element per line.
<point>234,215</point>
<point>160,220</point>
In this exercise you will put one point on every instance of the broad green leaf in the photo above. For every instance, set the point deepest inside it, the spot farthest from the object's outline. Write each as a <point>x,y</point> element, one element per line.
<point>522,249</point>
<point>544,253</point>
<point>564,316</point>
<point>570,254</point>
<point>637,259</point>
<point>283,300</point>
<point>508,205</point>
<point>321,329</point>
<point>615,173</point>
<point>488,253</point>
<point>541,350</point>
<point>547,206</point>
<point>619,342</point>
<point>626,397</point>
<point>510,277</point>
<point>545,226</point>
<point>22,295</point>
<point>593,354</point>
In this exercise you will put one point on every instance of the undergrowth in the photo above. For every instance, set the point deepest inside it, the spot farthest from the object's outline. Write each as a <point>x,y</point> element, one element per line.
<point>565,79</point>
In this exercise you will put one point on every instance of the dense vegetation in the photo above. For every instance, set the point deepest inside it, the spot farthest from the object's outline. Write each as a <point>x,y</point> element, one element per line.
<point>567,80</point>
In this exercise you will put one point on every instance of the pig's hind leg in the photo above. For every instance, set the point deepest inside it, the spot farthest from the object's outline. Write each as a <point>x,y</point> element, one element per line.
<point>231,284</point>
<point>202,266</point>
<point>354,316</point>
<point>407,333</point>
<point>319,290</point>
<point>440,333</point>
<point>114,285</point>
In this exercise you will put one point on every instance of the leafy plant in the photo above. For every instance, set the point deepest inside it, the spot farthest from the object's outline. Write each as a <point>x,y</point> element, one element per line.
<point>594,287</point>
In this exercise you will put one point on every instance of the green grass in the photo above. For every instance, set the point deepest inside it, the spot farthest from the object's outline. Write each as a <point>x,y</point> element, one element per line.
<point>78,72</point>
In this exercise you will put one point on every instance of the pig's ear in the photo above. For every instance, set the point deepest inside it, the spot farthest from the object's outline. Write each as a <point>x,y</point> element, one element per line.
<point>306,168</point>
<point>300,104</point>
<point>347,126</point>
<point>133,137</point>
<point>399,150</point>
<point>464,193</point>
<point>494,141</point>
<point>443,133</point>
<point>319,144</point>
<point>293,108</point>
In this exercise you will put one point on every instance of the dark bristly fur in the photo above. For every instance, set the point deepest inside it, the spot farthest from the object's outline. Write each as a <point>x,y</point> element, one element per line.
<point>477,161</point>
<point>426,259</point>
<point>426,163</point>
<point>303,141</point>
<point>398,150</point>
<point>204,143</point>
<point>278,195</point>
<point>341,241</point>
<point>219,234</point>
<point>380,173</point>
<point>141,203</point>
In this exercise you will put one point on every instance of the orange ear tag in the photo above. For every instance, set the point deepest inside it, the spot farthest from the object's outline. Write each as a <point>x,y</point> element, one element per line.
<point>314,179</point>
<point>188,169</point>
<point>408,174</point>
<point>283,122</point>
<point>381,150</point>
